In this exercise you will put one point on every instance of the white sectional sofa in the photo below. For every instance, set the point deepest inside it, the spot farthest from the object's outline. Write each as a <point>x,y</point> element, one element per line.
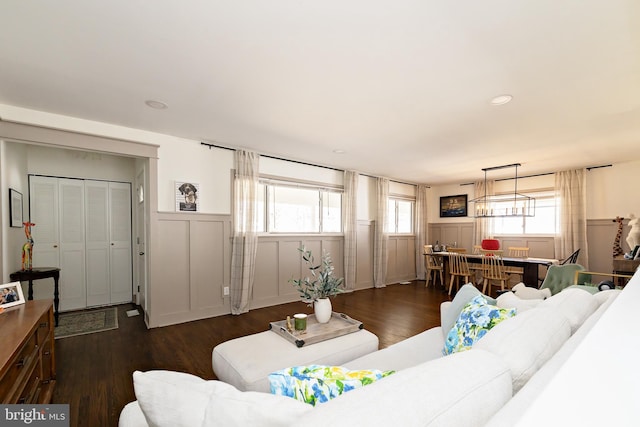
<point>492,384</point>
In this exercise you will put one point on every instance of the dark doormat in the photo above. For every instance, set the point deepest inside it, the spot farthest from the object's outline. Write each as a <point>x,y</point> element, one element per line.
<point>86,322</point>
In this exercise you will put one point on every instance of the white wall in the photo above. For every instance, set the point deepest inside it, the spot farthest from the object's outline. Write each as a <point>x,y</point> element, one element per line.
<point>13,164</point>
<point>366,198</point>
<point>613,191</point>
<point>190,161</point>
<point>293,170</point>
<point>78,164</point>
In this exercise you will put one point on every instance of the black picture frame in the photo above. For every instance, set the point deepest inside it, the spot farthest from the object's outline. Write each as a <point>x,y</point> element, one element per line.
<point>15,208</point>
<point>453,206</point>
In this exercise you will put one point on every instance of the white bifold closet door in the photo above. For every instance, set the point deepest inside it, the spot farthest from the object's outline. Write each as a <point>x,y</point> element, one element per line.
<point>108,239</point>
<point>84,228</point>
<point>57,210</point>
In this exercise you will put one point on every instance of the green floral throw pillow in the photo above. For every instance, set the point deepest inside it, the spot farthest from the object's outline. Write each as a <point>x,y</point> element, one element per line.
<point>318,383</point>
<point>475,320</point>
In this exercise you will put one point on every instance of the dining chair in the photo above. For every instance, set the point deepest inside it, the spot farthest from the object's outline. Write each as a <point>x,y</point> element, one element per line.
<point>493,271</point>
<point>476,268</point>
<point>457,250</point>
<point>433,266</point>
<point>458,267</point>
<point>492,252</point>
<point>516,252</point>
<point>571,259</point>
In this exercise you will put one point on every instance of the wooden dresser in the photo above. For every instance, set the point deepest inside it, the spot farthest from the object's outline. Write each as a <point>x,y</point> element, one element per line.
<point>27,359</point>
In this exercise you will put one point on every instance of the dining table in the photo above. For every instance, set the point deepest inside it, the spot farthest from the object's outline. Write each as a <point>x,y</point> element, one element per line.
<point>530,265</point>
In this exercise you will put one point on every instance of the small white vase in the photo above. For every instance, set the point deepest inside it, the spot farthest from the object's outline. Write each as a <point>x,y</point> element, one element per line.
<point>322,310</point>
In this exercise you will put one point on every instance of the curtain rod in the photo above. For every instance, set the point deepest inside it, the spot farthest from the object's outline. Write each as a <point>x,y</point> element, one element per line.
<point>303,163</point>
<point>540,174</point>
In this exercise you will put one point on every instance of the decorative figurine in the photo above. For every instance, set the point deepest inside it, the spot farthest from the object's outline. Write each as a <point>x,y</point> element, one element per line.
<point>27,248</point>
<point>633,237</point>
<point>289,327</point>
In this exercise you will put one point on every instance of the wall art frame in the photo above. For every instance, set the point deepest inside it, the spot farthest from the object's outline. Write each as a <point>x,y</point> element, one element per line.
<point>453,206</point>
<point>15,208</point>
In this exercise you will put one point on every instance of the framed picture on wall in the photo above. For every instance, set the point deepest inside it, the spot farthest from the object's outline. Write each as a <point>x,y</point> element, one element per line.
<point>15,208</point>
<point>187,197</point>
<point>453,206</point>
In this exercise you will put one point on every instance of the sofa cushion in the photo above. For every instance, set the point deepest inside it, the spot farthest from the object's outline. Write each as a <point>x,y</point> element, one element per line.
<point>527,341</point>
<point>176,399</point>
<point>463,296</point>
<point>405,354</point>
<point>511,300</point>
<point>475,320</point>
<point>315,384</point>
<point>575,304</point>
<point>527,292</point>
<point>463,389</point>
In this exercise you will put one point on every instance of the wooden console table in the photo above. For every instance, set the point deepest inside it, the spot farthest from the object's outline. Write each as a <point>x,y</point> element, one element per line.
<point>27,358</point>
<point>625,266</point>
<point>40,273</point>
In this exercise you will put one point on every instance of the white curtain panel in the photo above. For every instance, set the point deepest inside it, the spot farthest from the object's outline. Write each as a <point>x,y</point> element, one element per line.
<point>421,229</point>
<point>381,235</point>
<point>350,225</point>
<point>571,193</point>
<point>245,223</point>
<point>483,227</point>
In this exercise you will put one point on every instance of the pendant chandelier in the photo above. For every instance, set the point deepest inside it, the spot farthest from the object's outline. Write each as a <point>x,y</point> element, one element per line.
<point>504,205</point>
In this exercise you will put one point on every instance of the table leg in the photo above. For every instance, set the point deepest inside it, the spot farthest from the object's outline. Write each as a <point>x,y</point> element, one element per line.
<point>530,275</point>
<point>56,298</point>
<point>30,295</point>
<point>445,271</point>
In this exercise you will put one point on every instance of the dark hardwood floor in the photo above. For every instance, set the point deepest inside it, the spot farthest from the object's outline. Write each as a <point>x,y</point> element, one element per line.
<point>94,372</point>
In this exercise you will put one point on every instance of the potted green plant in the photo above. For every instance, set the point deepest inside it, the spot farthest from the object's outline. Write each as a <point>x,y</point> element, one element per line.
<point>317,289</point>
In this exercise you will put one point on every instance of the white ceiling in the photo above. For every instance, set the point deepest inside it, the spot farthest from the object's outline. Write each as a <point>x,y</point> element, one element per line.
<point>403,87</point>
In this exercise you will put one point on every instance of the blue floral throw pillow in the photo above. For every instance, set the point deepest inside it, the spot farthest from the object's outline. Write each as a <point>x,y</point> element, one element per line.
<point>318,383</point>
<point>475,320</point>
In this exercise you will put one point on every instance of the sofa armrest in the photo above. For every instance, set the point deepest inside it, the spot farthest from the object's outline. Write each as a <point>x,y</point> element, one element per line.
<point>444,307</point>
<point>132,416</point>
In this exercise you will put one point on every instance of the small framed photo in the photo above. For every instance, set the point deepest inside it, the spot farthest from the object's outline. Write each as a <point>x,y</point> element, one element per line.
<point>11,294</point>
<point>187,197</point>
<point>15,208</point>
<point>453,206</point>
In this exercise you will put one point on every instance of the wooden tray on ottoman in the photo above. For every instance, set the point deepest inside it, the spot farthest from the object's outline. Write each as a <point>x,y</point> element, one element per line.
<point>339,324</point>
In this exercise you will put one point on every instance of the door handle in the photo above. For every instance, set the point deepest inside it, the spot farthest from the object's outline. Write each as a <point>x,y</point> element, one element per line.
<point>140,253</point>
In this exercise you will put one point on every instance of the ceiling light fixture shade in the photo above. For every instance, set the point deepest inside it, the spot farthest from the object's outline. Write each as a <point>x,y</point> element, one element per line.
<point>501,100</point>
<point>504,205</point>
<point>158,105</point>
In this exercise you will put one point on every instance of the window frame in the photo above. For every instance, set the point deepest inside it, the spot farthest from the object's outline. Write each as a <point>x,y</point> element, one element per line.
<point>539,195</point>
<point>400,198</point>
<point>321,188</point>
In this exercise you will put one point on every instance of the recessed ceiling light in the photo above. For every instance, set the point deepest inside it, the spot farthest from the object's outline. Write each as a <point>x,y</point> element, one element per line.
<point>339,151</point>
<point>501,99</point>
<point>158,105</point>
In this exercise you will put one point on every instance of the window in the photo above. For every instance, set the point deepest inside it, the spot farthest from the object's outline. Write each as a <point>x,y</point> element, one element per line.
<point>543,223</point>
<point>289,208</point>
<point>400,216</point>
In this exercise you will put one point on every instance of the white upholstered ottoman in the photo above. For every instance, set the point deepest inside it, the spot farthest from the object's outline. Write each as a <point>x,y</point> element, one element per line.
<point>246,362</point>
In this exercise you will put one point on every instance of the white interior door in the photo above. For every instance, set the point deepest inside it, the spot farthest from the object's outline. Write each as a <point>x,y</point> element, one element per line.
<point>43,208</point>
<point>141,227</point>
<point>120,242</point>
<point>97,243</point>
<point>73,292</point>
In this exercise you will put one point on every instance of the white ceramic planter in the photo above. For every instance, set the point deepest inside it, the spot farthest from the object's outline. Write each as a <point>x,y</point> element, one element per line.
<point>322,310</point>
